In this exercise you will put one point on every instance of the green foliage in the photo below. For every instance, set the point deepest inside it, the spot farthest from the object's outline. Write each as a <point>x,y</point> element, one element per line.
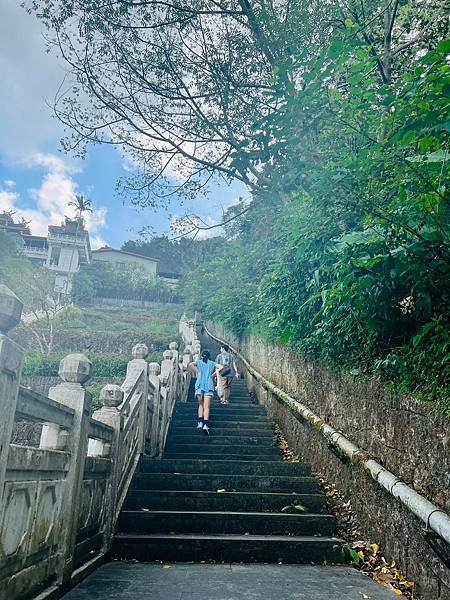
<point>15,269</point>
<point>103,365</point>
<point>104,280</point>
<point>422,367</point>
<point>353,269</point>
<point>176,256</point>
<point>160,323</point>
<point>350,555</point>
<point>95,390</point>
<point>336,116</point>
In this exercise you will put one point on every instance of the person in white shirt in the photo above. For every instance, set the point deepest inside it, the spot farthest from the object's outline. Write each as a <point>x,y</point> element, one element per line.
<point>226,375</point>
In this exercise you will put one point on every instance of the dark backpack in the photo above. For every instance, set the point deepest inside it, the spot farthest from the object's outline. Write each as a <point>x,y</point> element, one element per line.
<point>228,368</point>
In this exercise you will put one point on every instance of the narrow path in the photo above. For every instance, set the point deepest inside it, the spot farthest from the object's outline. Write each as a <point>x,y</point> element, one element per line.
<point>220,499</point>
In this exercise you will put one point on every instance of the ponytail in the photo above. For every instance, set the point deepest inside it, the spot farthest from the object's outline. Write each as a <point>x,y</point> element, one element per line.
<point>205,356</point>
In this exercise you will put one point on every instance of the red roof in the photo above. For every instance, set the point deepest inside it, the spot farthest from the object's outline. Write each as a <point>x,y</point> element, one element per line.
<point>107,249</point>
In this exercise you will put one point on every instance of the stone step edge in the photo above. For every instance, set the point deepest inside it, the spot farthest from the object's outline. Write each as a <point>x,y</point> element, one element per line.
<point>293,495</point>
<point>228,536</point>
<point>274,478</point>
<point>206,513</point>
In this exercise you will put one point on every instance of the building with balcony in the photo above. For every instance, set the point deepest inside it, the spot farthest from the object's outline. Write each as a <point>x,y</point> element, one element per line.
<point>64,250</point>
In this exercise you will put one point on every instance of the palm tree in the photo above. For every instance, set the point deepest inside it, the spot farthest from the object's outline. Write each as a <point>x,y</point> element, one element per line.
<point>81,205</point>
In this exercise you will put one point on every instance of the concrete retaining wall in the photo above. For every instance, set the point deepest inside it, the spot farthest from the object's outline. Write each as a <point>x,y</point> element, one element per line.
<point>404,435</point>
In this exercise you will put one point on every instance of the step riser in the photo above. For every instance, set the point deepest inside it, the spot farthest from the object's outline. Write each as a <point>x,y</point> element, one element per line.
<point>216,417</point>
<point>221,440</point>
<point>231,483</point>
<point>237,428</point>
<point>227,409</point>
<point>212,456</point>
<point>262,524</point>
<point>224,432</point>
<point>271,551</point>
<point>265,468</point>
<point>221,449</point>
<point>166,500</point>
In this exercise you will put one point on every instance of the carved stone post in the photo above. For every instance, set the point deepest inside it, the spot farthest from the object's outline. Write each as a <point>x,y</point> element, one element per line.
<point>173,346</point>
<point>74,370</point>
<point>153,375</point>
<point>10,367</point>
<point>111,398</point>
<point>134,369</point>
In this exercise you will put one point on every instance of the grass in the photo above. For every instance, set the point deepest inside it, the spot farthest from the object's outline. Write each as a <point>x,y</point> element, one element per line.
<point>161,324</point>
<point>158,321</point>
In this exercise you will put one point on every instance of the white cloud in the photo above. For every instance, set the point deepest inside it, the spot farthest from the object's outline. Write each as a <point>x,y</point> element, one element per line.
<point>97,242</point>
<point>51,162</point>
<point>52,198</point>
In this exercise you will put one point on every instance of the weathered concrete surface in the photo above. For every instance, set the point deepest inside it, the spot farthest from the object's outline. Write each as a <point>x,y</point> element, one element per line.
<point>402,434</point>
<point>125,581</point>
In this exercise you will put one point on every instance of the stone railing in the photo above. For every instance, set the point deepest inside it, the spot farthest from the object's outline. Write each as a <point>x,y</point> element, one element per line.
<point>61,496</point>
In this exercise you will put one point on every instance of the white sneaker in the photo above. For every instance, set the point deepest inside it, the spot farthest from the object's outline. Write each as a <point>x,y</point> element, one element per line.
<point>199,425</point>
<point>206,429</point>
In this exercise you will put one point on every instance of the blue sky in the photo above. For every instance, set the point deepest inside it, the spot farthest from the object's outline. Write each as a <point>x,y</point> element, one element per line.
<point>37,180</point>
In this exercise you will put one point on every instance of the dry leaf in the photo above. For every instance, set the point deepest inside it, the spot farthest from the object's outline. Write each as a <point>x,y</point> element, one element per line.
<point>147,509</point>
<point>221,490</point>
<point>167,567</point>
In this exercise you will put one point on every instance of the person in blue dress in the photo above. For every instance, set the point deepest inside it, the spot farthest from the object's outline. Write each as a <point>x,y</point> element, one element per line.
<point>204,387</point>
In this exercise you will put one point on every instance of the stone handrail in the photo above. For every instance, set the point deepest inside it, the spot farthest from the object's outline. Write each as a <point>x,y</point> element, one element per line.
<point>60,497</point>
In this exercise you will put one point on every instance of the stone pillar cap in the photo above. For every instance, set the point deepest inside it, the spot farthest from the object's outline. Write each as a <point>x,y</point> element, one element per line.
<point>139,351</point>
<point>111,395</point>
<point>75,368</point>
<point>154,368</point>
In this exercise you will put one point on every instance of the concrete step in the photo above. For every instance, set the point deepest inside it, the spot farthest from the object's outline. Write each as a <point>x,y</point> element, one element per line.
<point>230,483</point>
<point>215,439</point>
<point>207,446</point>
<point>136,521</point>
<point>225,429</point>
<point>223,409</point>
<point>223,467</point>
<point>253,501</point>
<point>227,548</point>
<point>225,457</point>
<point>217,417</point>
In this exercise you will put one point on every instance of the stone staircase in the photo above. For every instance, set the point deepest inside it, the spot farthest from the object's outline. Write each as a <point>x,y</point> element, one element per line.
<point>219,498</point>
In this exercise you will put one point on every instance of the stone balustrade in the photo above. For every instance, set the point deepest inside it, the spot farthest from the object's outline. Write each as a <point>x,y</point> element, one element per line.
<point>59,500</point>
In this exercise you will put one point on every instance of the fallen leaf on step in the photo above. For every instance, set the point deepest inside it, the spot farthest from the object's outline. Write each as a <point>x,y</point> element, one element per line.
<point>147,509</point>
<point>167,567</point>
<point>221,490</point>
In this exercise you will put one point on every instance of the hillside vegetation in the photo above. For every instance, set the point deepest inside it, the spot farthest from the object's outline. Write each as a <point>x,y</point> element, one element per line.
<point>105,335</point>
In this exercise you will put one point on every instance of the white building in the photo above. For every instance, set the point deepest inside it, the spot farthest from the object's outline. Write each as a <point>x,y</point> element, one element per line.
<point>64,249</point>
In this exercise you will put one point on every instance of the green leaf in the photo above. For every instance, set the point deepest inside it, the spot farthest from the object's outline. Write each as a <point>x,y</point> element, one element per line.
<point>443,47</point>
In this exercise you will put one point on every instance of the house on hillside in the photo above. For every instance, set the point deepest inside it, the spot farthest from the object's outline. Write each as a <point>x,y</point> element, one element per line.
<point>120,258</point>
<point>65,248</point>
